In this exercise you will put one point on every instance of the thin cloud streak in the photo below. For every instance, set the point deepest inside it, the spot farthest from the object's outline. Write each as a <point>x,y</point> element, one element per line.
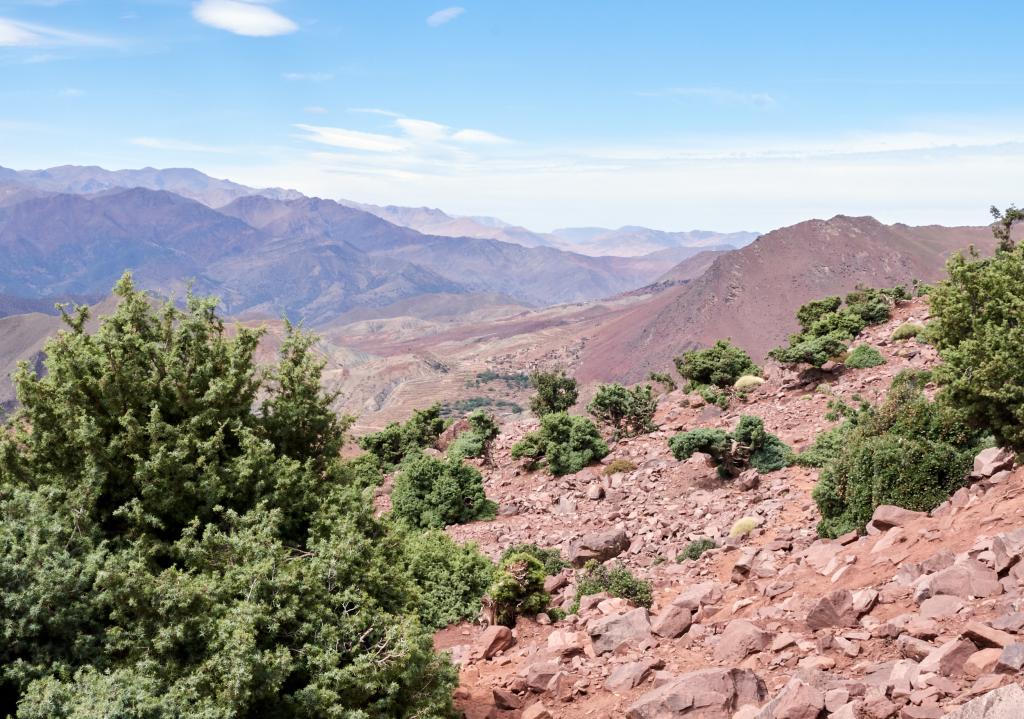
<point>15,33</point>
<point>444,16</point>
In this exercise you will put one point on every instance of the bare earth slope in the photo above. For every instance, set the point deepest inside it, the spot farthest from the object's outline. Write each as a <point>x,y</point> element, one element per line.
<point>908,622</point>
<point>751,295</point>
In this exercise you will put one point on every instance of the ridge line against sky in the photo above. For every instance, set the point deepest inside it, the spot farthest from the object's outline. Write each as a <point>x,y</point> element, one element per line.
<point>600,113</point>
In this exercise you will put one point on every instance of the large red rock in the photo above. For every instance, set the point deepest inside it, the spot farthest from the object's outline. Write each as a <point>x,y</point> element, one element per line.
<point>599,546</point>
<point>739,640</point>
<point>610,633</point>
<point>833,610</point>
<point>707,694</point>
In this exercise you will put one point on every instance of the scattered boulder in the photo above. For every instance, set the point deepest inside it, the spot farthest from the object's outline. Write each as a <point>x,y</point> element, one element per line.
<point>990,461</point>
<point>536,711</point>
<point>600,546</point>
<point>796,700</point>
<point>1002,703</point>
<point>672,621</point>
<point>949,659</point>
<point>494,639</point>
<point>610,633</point>
<point>739,640</point>
<point>833,610</point>
<point>969,578</point>
<point>629,676</point>
<point>887,516</point>
<point>707,694</point>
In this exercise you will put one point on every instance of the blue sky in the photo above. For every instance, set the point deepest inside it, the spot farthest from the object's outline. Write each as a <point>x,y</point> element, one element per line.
<point>676,115</point>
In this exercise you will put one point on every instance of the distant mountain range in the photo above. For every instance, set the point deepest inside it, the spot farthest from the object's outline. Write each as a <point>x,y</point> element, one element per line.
<point>627,241</point>
<point>69,232</point>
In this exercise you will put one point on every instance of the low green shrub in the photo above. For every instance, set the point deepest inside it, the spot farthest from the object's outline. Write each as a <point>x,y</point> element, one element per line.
<point>629,412</point>
<point>864,356</point>
<point>618,581</point>
<point>748,444</point>
<point>696,548</point>
<point>434,493</point>
<point>664,379</point>
<point>475,441</point>
<point>826,326</point>
<point>566,443</point>
<point>452,578</point>
<point>395,441</point>
<point>907,331</point>
<point>719,365</point>
<point>550,559</point>
<point>517,589</point>
<point>556,392</point>
<point>618,465</point>
<point>909,451</point>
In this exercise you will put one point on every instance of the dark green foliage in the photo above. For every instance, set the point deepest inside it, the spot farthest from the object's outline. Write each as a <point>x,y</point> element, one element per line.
<point>433,493</point>
<point>630,412</point>
<point>696,548</point>
<point>664,379</point>
<point>863,357</point>
<point>980,338</point>
<point>512,381</point>
<point>178,536</point>
<point>394,442</point>
<point>518,588</point>
<point>566,442</point>
<point>551,559</point>
<point>556,392</point>
<point>714,442</point>
<point>618,581</point>
<point>827,327</point>
<point>909,452</point>
<point>827,446</point>
<point>748,444</point>
<point>477,440</point>
<point>814,351</point>
<point>451,577</point>
<point>464,407</point>
<point>813,311</point>
<point>1003,227</point>
<point>720,365</point>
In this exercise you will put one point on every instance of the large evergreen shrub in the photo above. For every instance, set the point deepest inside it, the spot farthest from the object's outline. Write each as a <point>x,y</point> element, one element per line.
<point>566,443</point>
<point>556,392</point>
<point>433,493</point>
<point>980,338</point>
<point>910,452</point>
<point>166,550</point>
<point>629,412</point>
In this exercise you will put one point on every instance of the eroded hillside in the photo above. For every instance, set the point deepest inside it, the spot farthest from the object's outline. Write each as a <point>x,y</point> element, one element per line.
<point>911,620</point>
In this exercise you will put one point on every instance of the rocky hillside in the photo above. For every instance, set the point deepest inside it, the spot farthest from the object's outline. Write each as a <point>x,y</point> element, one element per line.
<point>913,620</point>
<point>750,295</point>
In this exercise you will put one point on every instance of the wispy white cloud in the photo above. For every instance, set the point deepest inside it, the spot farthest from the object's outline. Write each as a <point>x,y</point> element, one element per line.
<point>479,136</point>
<point>352,139</point>
<point>307,76</point>
<point>315,110</point>
<point>243,17</point>
<point>375,111</point>
<point>716,95</point>
<point>15,33</point>
<point>417,138</point>
<point>172,145</point>
<point>72,92</point>
<point>442,16</point>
